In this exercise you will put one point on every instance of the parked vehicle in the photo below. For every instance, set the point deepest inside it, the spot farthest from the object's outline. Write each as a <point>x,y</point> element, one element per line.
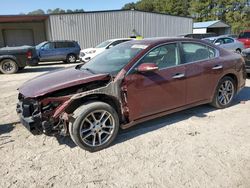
<point>227,43</point>
<point>230,35</point>
<point>63,50</point>
<point>128,84</point>
<point>245,38</point>
<point>246,55</point>
<point>13,59</point>
<point>89,53</point>
<point>199,35</point>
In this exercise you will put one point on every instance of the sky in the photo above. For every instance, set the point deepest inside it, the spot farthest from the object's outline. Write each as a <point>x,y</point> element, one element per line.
<point>9,7</point>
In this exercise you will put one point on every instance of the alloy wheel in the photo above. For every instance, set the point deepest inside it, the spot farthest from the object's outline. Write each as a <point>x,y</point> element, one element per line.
<point>97,128</point>
<point>226,92</point>
<point>72,58</point>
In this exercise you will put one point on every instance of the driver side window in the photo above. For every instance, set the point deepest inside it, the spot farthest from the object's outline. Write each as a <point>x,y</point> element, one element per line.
<point>163,56</point>
<point>48,46</point>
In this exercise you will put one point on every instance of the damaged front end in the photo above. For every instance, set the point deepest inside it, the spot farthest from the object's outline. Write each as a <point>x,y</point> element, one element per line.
<point>38,115</point>
<point>50,114</point>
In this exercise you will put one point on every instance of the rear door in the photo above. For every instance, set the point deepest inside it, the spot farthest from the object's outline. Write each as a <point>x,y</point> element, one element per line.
<point>202,71</point>
<point>154,92</point>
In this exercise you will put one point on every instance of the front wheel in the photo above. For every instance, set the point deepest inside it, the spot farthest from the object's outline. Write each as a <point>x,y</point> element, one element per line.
<point>8,66</point>
<point>224,93</point>
<point>96,125</point>
<point>71,58</point>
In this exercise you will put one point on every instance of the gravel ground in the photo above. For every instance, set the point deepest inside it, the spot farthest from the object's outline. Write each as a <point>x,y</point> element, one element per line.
<point>199,147</point>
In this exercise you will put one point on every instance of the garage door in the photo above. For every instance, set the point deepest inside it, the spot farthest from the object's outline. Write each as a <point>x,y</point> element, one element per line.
<point>18,37</point>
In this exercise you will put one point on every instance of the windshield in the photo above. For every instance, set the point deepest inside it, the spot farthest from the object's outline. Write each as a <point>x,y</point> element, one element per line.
<point>40,45</point>
<point>113,60</point>
<point>210,40</point>
<point>104,44</point>
<point>244,35</point>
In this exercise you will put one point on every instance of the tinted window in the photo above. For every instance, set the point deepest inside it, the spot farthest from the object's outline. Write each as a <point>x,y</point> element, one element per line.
<point>195,52</point>
<point>228,40</point>
<point>71,44</point>
<point>244,35</point>
<point>164,56</point>
<point>63,44</point>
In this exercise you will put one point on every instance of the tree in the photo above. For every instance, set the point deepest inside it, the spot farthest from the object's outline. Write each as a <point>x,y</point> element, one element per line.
<point>234,12</point>
<point>37,12</point>
<point>129,6</point>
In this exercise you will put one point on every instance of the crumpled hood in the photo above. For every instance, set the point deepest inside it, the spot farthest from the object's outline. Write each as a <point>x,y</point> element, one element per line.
<point>58,80</point>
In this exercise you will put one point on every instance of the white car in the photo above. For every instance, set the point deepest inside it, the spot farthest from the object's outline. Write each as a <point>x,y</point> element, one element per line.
<point>227,43</point>
<point>89,53</point>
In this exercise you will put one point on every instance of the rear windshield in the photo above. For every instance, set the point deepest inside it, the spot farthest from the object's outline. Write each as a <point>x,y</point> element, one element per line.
<point>244,35</point>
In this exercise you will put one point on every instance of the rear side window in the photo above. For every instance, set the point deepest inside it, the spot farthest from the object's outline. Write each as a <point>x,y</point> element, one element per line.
<point>65,45</point>
<point>228,40</point>
<point>195,52</point>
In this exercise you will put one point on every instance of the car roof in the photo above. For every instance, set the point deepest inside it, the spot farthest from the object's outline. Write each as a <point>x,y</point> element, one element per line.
<point>155,40</point>
<point>61,41</point>
<point>112,40</point>
<point>214,38</point>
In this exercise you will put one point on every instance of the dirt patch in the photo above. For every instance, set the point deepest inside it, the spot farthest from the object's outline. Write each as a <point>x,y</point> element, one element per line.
<point>200,147</point>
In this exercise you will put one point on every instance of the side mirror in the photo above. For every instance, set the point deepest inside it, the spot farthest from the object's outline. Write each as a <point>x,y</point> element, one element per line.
<point>217,43</point>
<point>147,67</point>
<point>42,48</point>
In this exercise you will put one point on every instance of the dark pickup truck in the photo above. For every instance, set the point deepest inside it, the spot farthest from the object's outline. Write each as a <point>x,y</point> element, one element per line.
<point>13,59</point>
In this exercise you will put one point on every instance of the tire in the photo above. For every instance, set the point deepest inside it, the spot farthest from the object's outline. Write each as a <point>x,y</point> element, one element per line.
<point>20,68</point>
<point>71,58</point>
<point>238,51</point>
<point>95,127</point>
<point>8,66</point>
<point>224,93</point>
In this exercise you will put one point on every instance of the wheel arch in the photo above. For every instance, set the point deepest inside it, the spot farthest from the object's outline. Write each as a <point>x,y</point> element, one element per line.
<point>233,76</point>
<point>2,58</point>
<point>112,101</point>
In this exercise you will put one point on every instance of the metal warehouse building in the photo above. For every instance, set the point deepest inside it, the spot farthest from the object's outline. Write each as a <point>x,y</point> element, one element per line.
<point>90,28</point>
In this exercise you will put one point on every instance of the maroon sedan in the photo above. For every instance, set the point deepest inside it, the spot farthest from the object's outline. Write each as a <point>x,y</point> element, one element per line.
<point>133,82</point>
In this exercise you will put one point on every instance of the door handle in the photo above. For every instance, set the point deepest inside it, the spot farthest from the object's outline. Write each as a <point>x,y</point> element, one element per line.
<point>178,75</point>
<point>216,67</point>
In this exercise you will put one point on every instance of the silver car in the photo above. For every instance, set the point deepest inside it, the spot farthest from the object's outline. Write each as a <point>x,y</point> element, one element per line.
<point>227,43</point>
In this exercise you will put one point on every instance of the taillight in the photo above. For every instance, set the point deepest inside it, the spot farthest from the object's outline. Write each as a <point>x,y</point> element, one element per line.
<point>29,54</point>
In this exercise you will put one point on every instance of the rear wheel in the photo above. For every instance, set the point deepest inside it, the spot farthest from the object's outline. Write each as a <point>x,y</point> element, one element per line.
<point>8,66</point>
<point>224,93</point>
<point>238,51</point>
<point>71,58</point>
<point>96,125</point>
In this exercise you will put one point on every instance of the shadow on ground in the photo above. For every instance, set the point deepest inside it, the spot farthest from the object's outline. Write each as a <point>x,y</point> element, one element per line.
<point>152,125</point>
<point>200,111</point>
<point>7,128</point>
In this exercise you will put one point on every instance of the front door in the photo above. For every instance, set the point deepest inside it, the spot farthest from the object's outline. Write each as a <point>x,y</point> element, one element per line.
<point>158,91</point>
<point>47,52</point>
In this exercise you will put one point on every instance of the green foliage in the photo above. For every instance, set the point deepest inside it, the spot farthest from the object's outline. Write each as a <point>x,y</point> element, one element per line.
<point>37,12</point>
<point>54,11</point>
<point>234,12</point>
